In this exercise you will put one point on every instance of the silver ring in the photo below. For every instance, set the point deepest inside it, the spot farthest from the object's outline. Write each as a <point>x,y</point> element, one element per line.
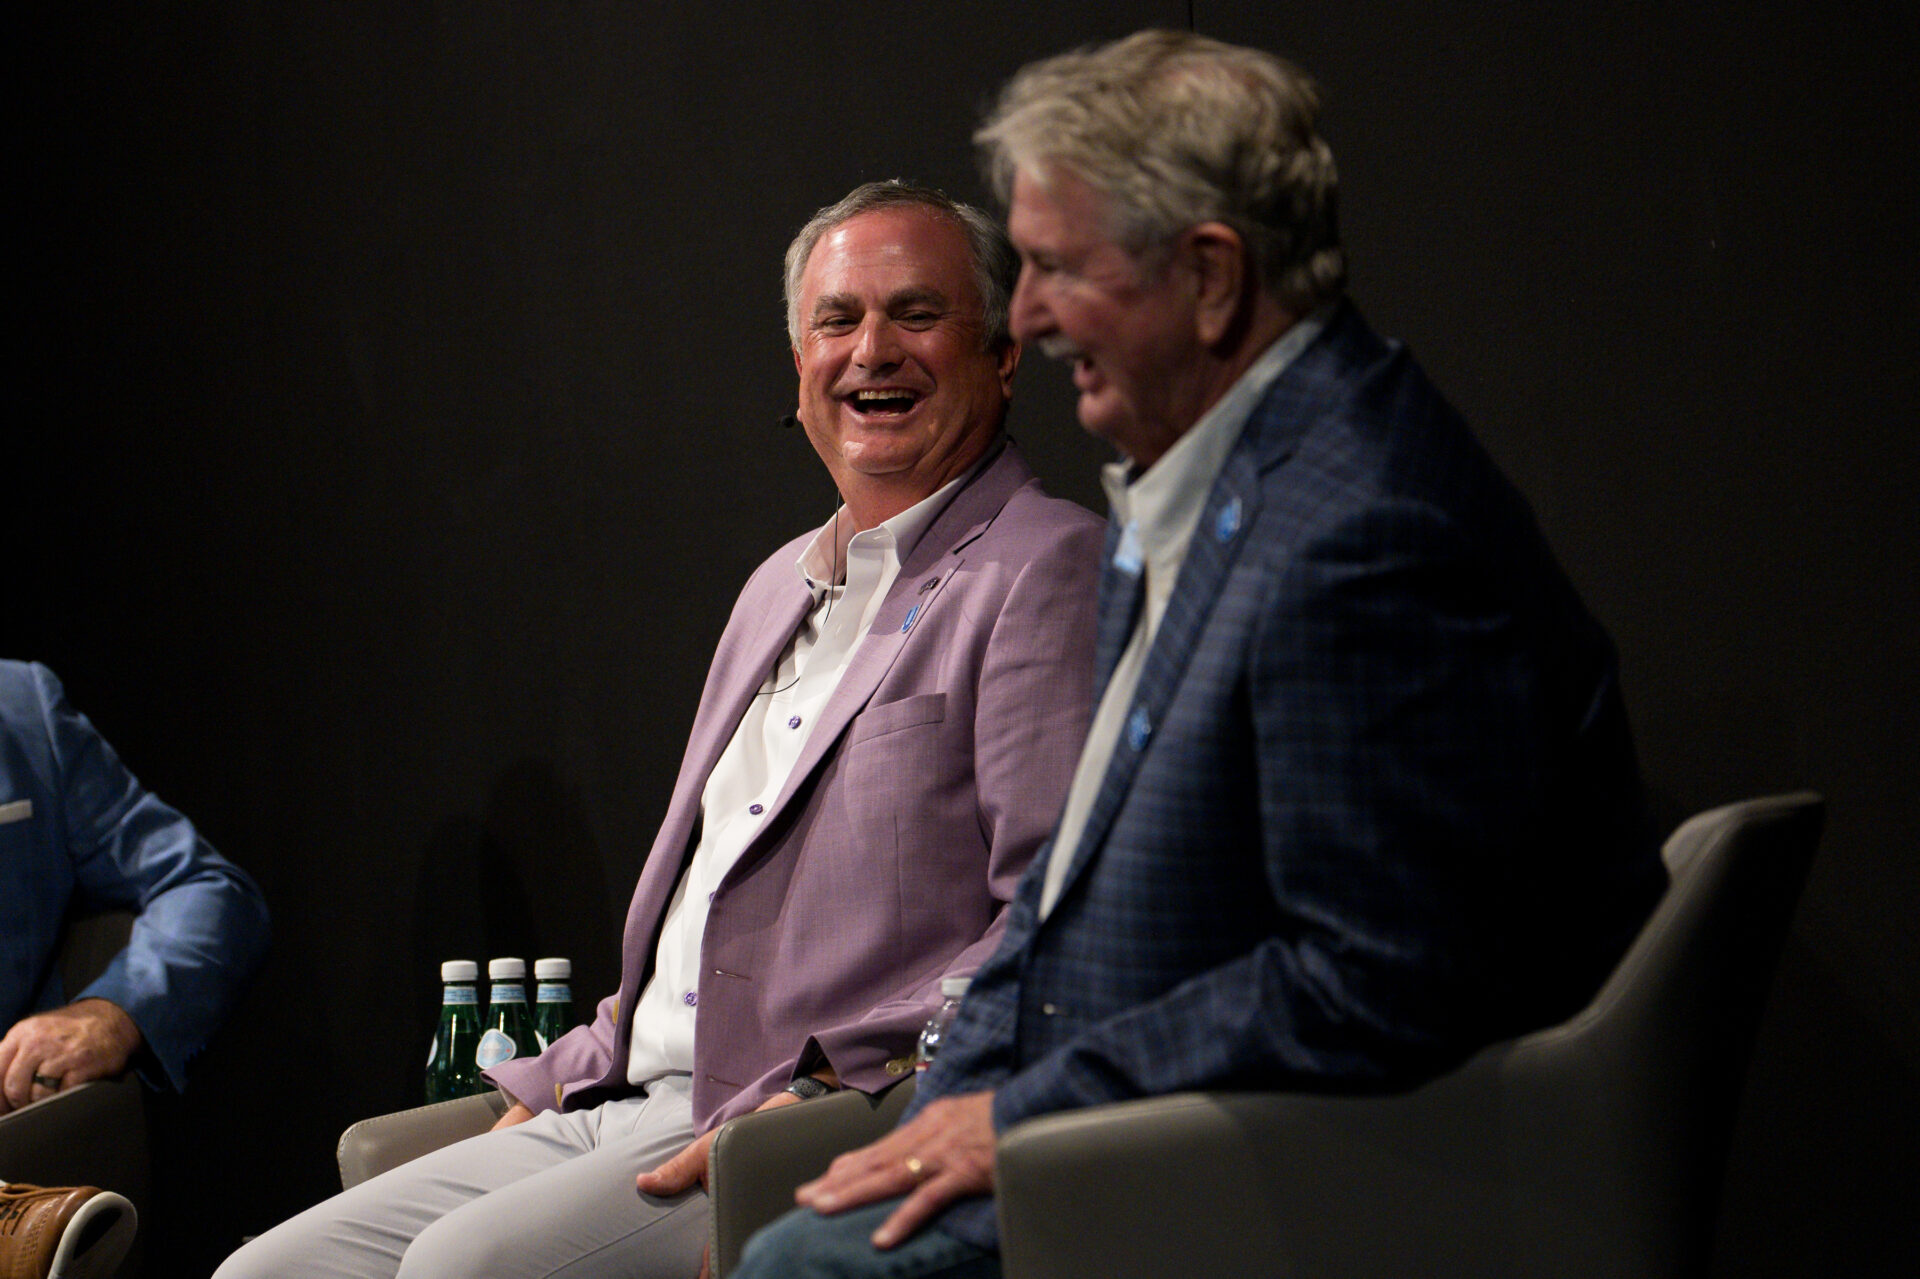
<point>915,1168</point>
<point>52,1085</point>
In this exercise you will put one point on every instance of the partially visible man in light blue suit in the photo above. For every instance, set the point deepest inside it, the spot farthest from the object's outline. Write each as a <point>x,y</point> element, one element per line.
<point>1359,795</point>
<point>77,830</point>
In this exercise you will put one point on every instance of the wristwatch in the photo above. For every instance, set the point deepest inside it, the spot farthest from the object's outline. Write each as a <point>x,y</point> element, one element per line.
<point>806,1088</point>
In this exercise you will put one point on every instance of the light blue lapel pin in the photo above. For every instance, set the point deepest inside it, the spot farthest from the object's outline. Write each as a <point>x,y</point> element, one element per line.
<point>911,614</point>
<point>1126,556</point>
<point>1139,728</point>
<point>1227,523</point>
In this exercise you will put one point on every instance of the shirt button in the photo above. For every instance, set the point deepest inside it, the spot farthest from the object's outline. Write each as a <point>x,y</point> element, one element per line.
<point>756,809</point>
<point>691,998</point>
<point>1051,1010</point>
<point>794,722</point>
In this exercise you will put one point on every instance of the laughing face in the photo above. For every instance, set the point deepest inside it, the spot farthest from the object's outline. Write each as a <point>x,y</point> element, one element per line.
<point>897,392</point>
<point>1126,325</point>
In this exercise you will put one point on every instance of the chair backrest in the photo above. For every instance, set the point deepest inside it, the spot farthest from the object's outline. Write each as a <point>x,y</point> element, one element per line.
<point>1615,1125</point>
<point>88,944</point>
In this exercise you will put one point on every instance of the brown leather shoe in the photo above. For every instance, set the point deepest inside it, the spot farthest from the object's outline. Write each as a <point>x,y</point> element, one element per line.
<point>62,1232</point>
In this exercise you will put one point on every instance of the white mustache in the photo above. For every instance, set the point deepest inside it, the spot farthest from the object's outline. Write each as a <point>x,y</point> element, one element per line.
<point>1056,346</point>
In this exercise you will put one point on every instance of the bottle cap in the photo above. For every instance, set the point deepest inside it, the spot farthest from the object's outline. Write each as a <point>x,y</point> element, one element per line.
<point>506,969</point>
<point>955,987</point>
<point>459,970</point>
<point>552,969</point>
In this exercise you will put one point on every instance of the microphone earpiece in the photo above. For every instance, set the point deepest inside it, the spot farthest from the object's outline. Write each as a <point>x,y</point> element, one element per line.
<point>790,421</point>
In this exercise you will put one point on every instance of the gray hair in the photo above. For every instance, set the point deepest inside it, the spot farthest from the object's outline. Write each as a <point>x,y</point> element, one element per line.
<point>1175,129</point>
<point>995,264</point>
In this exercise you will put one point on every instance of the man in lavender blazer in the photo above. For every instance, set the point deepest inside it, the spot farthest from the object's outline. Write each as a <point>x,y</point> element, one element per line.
<point>884,740</point>
<point>934,773</point>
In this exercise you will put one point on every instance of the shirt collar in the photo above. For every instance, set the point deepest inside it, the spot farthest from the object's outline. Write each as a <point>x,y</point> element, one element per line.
<point>823,563</point>
<point>1163,503</point>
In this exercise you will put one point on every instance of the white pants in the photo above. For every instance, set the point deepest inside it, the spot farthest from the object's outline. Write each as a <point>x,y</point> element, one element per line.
<point>552,1196</point>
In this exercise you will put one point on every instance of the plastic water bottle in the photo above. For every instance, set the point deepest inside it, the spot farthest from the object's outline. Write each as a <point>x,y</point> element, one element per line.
<point>509,1031</point>
<point>553,1000</point>
<point>952,991</point>
<point>451,1070</point>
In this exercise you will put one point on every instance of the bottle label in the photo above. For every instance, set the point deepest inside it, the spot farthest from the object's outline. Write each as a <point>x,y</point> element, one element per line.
<point>495,1047</point>
<point>460,995</point>
<point>554,993</point>
<point>508,992</point>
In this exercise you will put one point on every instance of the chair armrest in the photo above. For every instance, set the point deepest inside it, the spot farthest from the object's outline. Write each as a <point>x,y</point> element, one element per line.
<point>759,1159</point>
<point>93,1134</point>
<point>372,1146</point>
<point>1275,1184</point>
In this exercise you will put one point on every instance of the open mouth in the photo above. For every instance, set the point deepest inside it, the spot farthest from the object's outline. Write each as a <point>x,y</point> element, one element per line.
<point>886,402</point>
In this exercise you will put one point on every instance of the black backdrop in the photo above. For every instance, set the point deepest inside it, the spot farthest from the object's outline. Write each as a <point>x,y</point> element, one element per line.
<point>394,421</point>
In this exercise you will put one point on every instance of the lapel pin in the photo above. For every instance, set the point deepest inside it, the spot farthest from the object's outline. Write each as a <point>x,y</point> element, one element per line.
<point>911,614</point>
<point>1227,523</point>
<point>1139,728</point>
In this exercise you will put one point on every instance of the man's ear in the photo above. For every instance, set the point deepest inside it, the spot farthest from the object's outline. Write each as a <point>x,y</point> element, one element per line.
<point>796,359</point>
<point>1217,257</point>
<point>1008,360</point>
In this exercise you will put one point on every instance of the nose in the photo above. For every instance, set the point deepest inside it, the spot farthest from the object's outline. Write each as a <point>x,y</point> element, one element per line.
<point>1027,315</point>
<point>877,347</point>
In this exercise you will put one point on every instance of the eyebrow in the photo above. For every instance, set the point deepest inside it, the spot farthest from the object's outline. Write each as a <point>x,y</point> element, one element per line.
<point>829,303</point>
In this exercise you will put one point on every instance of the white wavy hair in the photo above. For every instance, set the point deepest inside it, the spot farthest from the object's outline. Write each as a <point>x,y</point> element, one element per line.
<point>1175,129</point>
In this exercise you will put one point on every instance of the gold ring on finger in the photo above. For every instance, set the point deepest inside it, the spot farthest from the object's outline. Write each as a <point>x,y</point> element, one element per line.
<point>915,1168</point>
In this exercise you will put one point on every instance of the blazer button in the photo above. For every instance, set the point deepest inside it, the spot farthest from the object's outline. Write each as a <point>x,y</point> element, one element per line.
<point>1051,1010</point>
<point>900,1066</point>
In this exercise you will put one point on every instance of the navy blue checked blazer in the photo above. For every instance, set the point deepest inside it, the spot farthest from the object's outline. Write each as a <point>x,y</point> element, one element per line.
<point>1375,805</point>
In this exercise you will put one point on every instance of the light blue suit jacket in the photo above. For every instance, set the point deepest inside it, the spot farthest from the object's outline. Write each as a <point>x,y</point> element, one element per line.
<point>77,831</point>
<point>1375,804</point>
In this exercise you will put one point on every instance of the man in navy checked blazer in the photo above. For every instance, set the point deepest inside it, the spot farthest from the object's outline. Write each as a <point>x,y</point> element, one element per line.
<point>1359,797</point>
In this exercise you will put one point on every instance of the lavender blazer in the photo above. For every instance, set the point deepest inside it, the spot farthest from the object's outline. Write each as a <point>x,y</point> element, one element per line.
<point>937,769</point>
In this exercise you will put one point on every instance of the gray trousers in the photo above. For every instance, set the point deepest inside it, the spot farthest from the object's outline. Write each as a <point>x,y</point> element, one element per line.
<point>552,1196</point>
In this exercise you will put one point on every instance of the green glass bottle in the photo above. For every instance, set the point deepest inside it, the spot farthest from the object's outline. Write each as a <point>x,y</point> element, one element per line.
<point>451,1071</point>
<point>509,1029</point>
<point>552,1000</point>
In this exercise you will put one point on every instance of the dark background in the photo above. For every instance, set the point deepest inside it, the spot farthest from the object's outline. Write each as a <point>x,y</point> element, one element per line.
<point>394,404</point>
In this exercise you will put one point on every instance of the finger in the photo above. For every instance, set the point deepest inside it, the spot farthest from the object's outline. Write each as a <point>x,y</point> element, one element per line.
<point>837,1193</point>
<point>706,1263</point>
<point>671,1177</point>
<point>918,1208</point>
<point>17,1084</point>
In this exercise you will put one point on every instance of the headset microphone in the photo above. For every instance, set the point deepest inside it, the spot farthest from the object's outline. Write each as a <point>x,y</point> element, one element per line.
<point>790,421</point>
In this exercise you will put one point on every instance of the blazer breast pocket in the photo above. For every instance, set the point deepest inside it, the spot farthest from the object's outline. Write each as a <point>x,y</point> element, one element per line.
<point>875,721</point>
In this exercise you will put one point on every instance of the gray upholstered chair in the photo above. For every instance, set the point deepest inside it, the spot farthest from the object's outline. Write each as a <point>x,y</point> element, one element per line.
<point>93,1134</point>
<point>1592,1148</point>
